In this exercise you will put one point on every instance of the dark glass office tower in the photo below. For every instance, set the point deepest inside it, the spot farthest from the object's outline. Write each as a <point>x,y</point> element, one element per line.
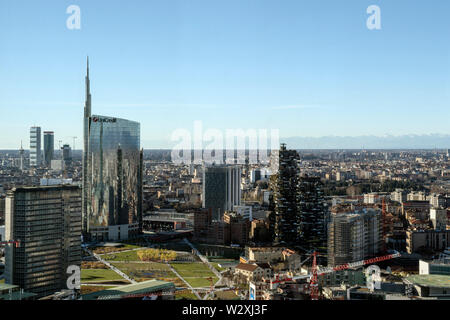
<point>66,154</point>
<point>49,147</point>
<point>221,188</point>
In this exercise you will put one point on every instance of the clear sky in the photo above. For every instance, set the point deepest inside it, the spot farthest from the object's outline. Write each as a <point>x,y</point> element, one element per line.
<point>309,68</point>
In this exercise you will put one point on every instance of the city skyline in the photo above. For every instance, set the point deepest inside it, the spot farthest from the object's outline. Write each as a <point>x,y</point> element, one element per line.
<point>311,81</point>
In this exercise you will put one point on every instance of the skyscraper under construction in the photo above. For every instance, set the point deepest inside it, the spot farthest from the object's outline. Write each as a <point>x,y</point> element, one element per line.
<point>354,236</point>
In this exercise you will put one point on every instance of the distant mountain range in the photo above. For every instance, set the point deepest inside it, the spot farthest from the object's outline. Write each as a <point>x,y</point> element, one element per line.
<point>431,141</point>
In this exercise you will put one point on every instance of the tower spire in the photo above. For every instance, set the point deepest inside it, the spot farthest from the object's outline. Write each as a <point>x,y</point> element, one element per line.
<point>86,133</point>
<point>87,106</point>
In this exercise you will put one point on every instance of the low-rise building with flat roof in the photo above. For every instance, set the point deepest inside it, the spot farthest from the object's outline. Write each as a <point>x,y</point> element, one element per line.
<point>140,290</point>
<point>13,292</point>
<point>430,285</point>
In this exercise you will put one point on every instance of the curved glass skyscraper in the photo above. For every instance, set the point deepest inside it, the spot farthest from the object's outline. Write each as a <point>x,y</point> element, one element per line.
<point>114,163</point>
<point>112,177</point>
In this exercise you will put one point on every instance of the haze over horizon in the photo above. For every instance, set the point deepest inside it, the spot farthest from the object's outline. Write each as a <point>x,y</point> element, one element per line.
<point>310,69</point>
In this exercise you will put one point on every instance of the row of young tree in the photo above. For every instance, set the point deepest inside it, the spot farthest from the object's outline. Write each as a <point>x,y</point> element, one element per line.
<point>156,255</point>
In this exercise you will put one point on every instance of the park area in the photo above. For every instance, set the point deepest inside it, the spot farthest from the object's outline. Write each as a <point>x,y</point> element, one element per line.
<point>143,263</point>
<point>103,276</point>
<point>196,274</point>
<point>143,271</point>
<point>121,256</point>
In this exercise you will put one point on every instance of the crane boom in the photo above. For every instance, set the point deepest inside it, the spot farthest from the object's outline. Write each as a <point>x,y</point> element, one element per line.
<point>17,243</point>
<point>359,263</point>
<point>315,272</point>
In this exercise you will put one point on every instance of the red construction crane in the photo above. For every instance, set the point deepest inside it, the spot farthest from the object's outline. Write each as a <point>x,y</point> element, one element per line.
<point>16,242</point>
<point>313,283</point>
<point>316,272</point>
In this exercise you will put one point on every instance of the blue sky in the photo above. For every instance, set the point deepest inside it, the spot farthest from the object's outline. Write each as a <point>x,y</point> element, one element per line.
<point>307,68</point>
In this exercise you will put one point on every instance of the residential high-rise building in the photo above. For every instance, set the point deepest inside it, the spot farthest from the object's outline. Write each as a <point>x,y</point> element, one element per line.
<point>35,147</point>
<point>312,210</point>
<point>438,200</point>
<point>438,218</point>
<point>244,211</point>
<point>49,147</point>
<point>399,195</point>
<point>354,236</point>
<point>46,221</point>
<point>221,189</point>
<point>286,218</point>
<point>112,176</point>
<point>66,154</point>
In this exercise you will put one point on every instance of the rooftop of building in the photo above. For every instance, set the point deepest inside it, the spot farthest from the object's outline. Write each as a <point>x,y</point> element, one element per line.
<point>102,118</point>
<point>130,289</point>
<point>265,249</point>
<point>247,267</point>
<point>44,188</point>
<point>6,286</point>
<point>15,294</point>
<point>263,265</point>
<point>445,261</point>
<point>430,280</point>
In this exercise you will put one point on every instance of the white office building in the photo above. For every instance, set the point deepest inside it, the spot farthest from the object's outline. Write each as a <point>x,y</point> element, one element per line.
<point>438,218</point>
<point>35,147</point>
<point>244,211</point>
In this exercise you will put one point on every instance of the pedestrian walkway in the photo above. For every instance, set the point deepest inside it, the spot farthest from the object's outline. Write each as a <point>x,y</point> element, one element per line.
<point>123,275</point>
<point>185,282</point>
<point>211,267</point>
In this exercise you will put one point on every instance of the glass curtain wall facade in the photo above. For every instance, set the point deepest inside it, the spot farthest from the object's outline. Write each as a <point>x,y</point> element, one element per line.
<point>114,178</point>
<point>221,189</point>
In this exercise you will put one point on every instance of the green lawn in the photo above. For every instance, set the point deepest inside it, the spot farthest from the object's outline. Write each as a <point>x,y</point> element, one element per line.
<point>145,271</point>
<point>121,256</point>
<point>200,282</point>
<point>192,269</point>
<point>216,265</point>
<point>185,294</point>
<point>99,275</point>
<point>195,273</point>
<point>226,295</point>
